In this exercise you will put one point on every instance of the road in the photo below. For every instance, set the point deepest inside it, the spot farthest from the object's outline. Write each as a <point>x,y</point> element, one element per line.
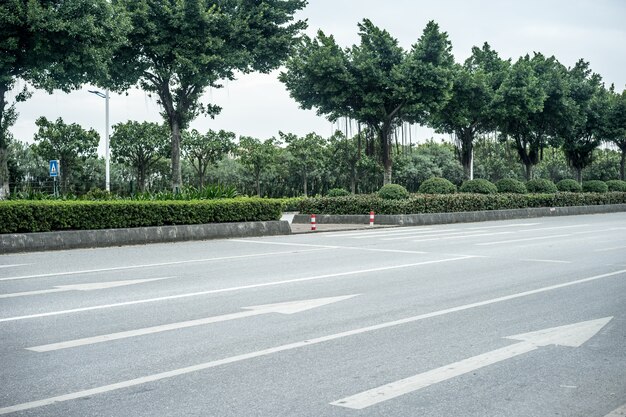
<point>511,318</point>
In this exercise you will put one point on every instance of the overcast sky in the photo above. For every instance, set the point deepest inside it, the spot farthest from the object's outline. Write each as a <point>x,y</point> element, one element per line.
<point>258,105</point>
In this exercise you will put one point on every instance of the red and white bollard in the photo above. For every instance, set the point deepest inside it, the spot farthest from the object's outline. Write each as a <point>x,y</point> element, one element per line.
<point>371,219</point>
<point>313,224</point>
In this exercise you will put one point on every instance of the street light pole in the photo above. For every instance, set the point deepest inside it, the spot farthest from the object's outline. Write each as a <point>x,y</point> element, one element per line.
<point>107,159</point>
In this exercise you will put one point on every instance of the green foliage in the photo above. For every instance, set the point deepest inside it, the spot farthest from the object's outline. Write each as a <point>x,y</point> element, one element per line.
<point>437,186</point>
<point>43,216</point>
<point>306,152</point>
<point>393,192</point>
<point>208,192</point>
<point>140,146</point>
<point>425,203</point>
<point>427,160</point>
<point>337,192</point>
<point>540,185</point>
<point>595,186</point>
<point>569,185</point>
<point>98,194</point>
<point>290,204</point>
<point>204,151</point>
<point>616,185</point>
<point>511,185</point>
<point>478,186</point>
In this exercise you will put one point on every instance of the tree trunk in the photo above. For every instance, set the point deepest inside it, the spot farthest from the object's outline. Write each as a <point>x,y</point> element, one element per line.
<point>4,146</point>
<point>622,162</point>
<point>385,136</point>
<point>465,143</point>
<point>528,169</point>
<point>579,175</point>
<point>258,183</point>
<point>177,178</point>
<point>305,184</point>
<point>353,180</point>
<point>142,179</point>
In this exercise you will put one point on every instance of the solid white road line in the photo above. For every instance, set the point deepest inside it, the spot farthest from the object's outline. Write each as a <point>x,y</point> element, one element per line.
<point>83,287</point>
<point>504,225</point>
<point>461,237</point>
<point>522,240</point>
<point>618,412</point>
<point>290,346</point>
<point>13,266</point>
<point>121,268</point>
<point>290,307</point>
<point>571,335</point>
<point>359,248</point>
<point>386,231</point>
<point>609,249</point>
<point>231,289</point>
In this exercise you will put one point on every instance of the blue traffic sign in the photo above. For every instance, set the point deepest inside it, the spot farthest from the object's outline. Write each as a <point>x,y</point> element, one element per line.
<point>54,168</point>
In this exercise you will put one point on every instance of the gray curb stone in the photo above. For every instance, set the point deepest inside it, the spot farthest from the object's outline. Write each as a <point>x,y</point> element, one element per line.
<point>462,217</point>
<point>31,242</point>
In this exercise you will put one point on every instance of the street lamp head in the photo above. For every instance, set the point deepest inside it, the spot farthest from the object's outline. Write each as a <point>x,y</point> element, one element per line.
<point>98,93</point>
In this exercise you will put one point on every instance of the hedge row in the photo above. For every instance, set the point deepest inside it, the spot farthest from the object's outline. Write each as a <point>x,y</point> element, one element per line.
<point>451,203</point>
<point>43,216</point>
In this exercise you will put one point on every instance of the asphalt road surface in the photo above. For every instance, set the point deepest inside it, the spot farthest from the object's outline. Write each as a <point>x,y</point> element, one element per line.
<point>511,318</point>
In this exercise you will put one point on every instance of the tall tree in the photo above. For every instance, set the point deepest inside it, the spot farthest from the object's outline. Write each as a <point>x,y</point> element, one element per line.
<point>585,116</point>
<point>204,151</point>
<point>376,83</point>
<point>70,144</point>
<point>470,111</point>
<point>517,101</point>
<point>257,156</point>
<point>140,146</point>
<point>615,129</point>
<point>307,152</point>
<point>179,48</point>
<point>52,44</point>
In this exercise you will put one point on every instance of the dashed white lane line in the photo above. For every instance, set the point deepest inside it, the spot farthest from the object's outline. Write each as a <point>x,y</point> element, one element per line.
<point>609,249</point>
<point>13,266</point>
<point>239,288</point>
<point>528,239</point>
<point>129,267</point>
<point>290,346</point>
<point>262,242</point>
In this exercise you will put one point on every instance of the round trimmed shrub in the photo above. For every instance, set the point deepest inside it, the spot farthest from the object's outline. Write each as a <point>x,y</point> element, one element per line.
<point>437,185</point>
<point>478,186</point>
<point>569,185</point>
<point>337,192</point>
<point>541,185</point>
<point>393,192</point>
<point>511,185</point>
<point>616,185</point>
<point>595,186</point>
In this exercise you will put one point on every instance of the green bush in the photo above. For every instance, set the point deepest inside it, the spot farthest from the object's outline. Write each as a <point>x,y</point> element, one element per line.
<point>98,194</point>
<point>478,186</point>
<point>393,192</point>
<point>541,185</point>
<point>43,216</point>
<point>595,186</point>
<point>428,203</point>
<point>616,185</point>
<point>291,203</point>
<point>437,185</point>
<point>511,185</point>
<point>569,185</point>
<point>337,192</point>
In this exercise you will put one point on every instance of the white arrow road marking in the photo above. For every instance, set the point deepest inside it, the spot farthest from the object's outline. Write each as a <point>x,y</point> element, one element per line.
<point>290,307</point>
<point>83,287</point>
<point>572,335</point>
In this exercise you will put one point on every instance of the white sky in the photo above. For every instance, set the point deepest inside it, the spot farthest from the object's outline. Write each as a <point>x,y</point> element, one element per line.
<point>258,105</point>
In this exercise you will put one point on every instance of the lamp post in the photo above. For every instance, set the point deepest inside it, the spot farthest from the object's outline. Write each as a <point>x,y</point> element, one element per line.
<point>107,162</point>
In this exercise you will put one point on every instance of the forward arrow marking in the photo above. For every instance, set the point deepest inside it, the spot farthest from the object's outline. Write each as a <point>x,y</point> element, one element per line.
<point>82,287</point>
<point>573,335</point>
<point>290,307</point>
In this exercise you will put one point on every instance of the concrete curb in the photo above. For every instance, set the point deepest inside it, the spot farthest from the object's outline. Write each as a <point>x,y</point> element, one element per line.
<point>31,242</point>
<point>462,217</point>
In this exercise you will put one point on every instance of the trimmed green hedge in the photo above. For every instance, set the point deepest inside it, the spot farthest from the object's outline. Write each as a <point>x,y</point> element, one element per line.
<point>510,185</point>
<point>43,216</point>
<point>478,186</point>
<point>569,185</point>
<point>393,192</point>
<point>425,203</point>
<point>541,185</point>
<point>616,185</point>
<point>595,186</point>
<point>436,185</point>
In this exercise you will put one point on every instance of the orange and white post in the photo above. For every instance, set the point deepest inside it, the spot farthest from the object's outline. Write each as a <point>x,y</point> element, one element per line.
<point>371,219</point>
<point>313,224</point>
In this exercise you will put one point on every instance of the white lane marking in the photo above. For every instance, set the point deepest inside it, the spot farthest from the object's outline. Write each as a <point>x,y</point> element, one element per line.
<point>461,237</point>
<point>436,234</point>
<point>385,231</point>
<point>609,249</point>
<point>121,268</point>
<point>505,225</point>
<point>618,412</point>
<point>572,335</point>
<point>290,307</point>
<point>336,247</point>
<point>231,289</point>
<point>83,287</point>
<point>290,346</point>
<point>413,232</point>
<point>13,266</point>
<point>552,261</point>
<point>528,239</point>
